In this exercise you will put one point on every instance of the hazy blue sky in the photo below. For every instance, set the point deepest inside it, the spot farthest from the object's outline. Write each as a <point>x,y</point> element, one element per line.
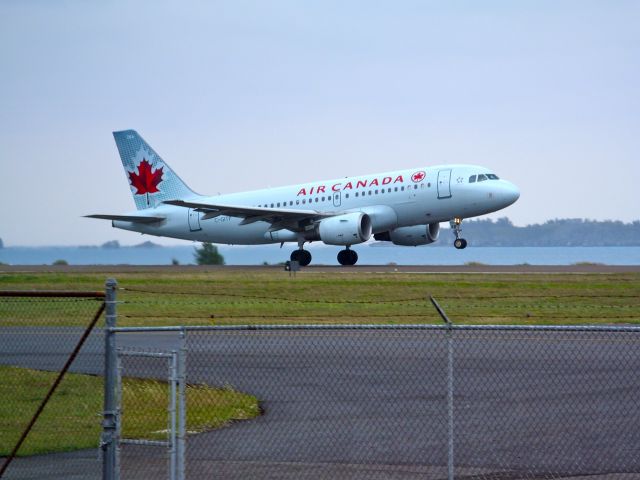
<point>239,95</point>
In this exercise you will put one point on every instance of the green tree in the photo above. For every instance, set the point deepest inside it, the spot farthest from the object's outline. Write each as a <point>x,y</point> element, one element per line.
<point>208,255</point>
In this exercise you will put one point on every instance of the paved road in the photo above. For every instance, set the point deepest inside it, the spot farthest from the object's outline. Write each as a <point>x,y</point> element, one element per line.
<point>372,404</point>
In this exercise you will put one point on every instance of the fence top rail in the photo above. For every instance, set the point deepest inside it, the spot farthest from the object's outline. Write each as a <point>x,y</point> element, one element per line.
<point>51,293</point>
<point>243,328</point>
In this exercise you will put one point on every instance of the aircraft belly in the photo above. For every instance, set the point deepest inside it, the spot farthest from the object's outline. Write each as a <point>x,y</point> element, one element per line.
<point>224,230</point>
<point>227,230</point>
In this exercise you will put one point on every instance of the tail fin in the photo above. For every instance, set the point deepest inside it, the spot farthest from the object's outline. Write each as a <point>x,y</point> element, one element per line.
<point>152,181</point>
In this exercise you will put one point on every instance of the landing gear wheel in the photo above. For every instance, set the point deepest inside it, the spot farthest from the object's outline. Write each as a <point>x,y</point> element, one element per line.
<point>456,226</point>
<point>460,243</point>
<point>303,257</point>
<point>347,257</point>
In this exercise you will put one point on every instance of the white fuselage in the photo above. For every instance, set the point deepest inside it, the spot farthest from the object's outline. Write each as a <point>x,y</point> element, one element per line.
<point>394,199</point>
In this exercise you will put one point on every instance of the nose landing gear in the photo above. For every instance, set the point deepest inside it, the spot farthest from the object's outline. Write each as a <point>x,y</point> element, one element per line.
<point>347,257</point>
<point>456,226</point>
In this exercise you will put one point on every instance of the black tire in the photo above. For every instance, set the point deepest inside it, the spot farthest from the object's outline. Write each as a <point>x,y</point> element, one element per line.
<point>295,255</point>
<point>460,243</point>
<point>347,257</point>
<point>305,258</point>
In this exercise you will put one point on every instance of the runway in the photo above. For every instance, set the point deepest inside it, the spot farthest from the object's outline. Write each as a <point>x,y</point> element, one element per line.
<point>372,404</point>
<point>418,269</point>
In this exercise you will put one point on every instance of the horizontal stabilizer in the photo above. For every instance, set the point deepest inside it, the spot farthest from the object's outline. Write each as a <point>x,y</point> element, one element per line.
<point>128,218</point>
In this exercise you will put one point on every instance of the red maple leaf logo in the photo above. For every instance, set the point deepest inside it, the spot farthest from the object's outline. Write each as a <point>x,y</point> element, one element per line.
<point>418,176</point>
<point>145,181</point>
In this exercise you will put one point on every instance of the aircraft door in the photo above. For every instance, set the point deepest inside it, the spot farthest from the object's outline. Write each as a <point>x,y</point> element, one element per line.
<point>444,183</point>
<point>194,220</point>
<point>337,198</point>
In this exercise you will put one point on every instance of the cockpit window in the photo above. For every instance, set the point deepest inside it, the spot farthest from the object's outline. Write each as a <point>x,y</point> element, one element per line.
<point>482,178</point>
<point>492,176</point>
<point>472,179</point>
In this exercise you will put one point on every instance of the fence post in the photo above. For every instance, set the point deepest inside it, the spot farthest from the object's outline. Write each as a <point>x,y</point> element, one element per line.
<point>450,465</point>
<point>110,415</point>
<point>182,402</point>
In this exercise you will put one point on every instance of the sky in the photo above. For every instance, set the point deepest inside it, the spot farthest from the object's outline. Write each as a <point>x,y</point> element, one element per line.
<point>241,95</point>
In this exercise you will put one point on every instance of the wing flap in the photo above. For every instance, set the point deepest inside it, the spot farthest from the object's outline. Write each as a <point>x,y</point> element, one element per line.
<point>242,211</point>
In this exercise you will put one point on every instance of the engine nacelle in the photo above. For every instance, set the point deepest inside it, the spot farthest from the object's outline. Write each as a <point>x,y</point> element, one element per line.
<point>411,236</point>
<point>347,229</point>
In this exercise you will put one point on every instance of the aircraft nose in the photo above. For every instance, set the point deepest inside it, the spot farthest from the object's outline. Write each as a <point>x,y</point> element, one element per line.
<point>510,193</point>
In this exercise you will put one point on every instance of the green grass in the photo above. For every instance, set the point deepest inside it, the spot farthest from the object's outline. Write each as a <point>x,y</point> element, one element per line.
<point>71,420</point>
<point>271,296</point>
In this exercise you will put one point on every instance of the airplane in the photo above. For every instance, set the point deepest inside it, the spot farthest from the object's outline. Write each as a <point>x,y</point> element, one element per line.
<point>404,207</point>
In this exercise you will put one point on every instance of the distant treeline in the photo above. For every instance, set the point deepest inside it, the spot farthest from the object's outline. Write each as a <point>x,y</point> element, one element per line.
<point>570,232</point>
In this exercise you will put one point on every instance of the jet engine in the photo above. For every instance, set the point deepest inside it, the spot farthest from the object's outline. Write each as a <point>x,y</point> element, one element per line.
<point>347,229</point>
<point>411,236</point>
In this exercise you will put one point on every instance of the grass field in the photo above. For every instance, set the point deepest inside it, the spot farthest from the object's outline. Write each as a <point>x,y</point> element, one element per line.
<point>72,419</point>
<point>267,296</point>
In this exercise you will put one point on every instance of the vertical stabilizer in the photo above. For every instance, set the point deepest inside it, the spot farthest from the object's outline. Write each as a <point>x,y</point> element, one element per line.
<point>151,180</point>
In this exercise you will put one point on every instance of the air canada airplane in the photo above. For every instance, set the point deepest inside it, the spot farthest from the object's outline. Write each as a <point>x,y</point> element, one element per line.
<point>404,207</point>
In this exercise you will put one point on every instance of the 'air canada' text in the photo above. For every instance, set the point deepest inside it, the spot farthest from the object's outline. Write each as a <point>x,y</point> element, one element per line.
<point>336,187</point>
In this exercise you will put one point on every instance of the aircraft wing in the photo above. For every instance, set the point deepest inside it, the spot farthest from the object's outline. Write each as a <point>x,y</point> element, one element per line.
<point>279,218</point>
<point>128,218</point>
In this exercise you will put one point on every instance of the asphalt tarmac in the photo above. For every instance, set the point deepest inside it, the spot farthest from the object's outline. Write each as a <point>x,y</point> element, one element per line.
<point>373,404</point>
<point>115,269</point>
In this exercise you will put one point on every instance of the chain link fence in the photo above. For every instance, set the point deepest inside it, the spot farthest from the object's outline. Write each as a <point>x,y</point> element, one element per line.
<point>386,402</point>
<point>318,401</point>
<point>42,409</point>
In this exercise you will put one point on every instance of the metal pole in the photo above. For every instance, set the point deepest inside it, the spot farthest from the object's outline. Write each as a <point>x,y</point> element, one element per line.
<point>173,377</point>
<point>450,475</point>
<point>182,399</point>
<point>450,469</point>
<point>110,417</point>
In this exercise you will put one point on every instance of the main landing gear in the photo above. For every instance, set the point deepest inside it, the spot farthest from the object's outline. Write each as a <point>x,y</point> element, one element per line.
<point>456,226</point>
<point>347,257</point>
<point>303,257</point>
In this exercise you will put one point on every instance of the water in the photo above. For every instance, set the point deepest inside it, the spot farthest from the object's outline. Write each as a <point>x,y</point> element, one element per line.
<point>322,254</point>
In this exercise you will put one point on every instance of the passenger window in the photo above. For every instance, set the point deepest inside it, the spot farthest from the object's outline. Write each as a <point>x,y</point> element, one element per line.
<point>382,190</point>
<point>482,178</point>
<point>389,190</point>
<point>376,192</point>
<point>369,192</point>
<point>429,185</point>
<point>297,202</point>
<point>304,201</point>
<point>291,202</point>
<point>472,179</point>
<point>415,187</point>
<point>356,194</point>
<point>395,189</point>
<point>402,188</point>
<point>347,195</point>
